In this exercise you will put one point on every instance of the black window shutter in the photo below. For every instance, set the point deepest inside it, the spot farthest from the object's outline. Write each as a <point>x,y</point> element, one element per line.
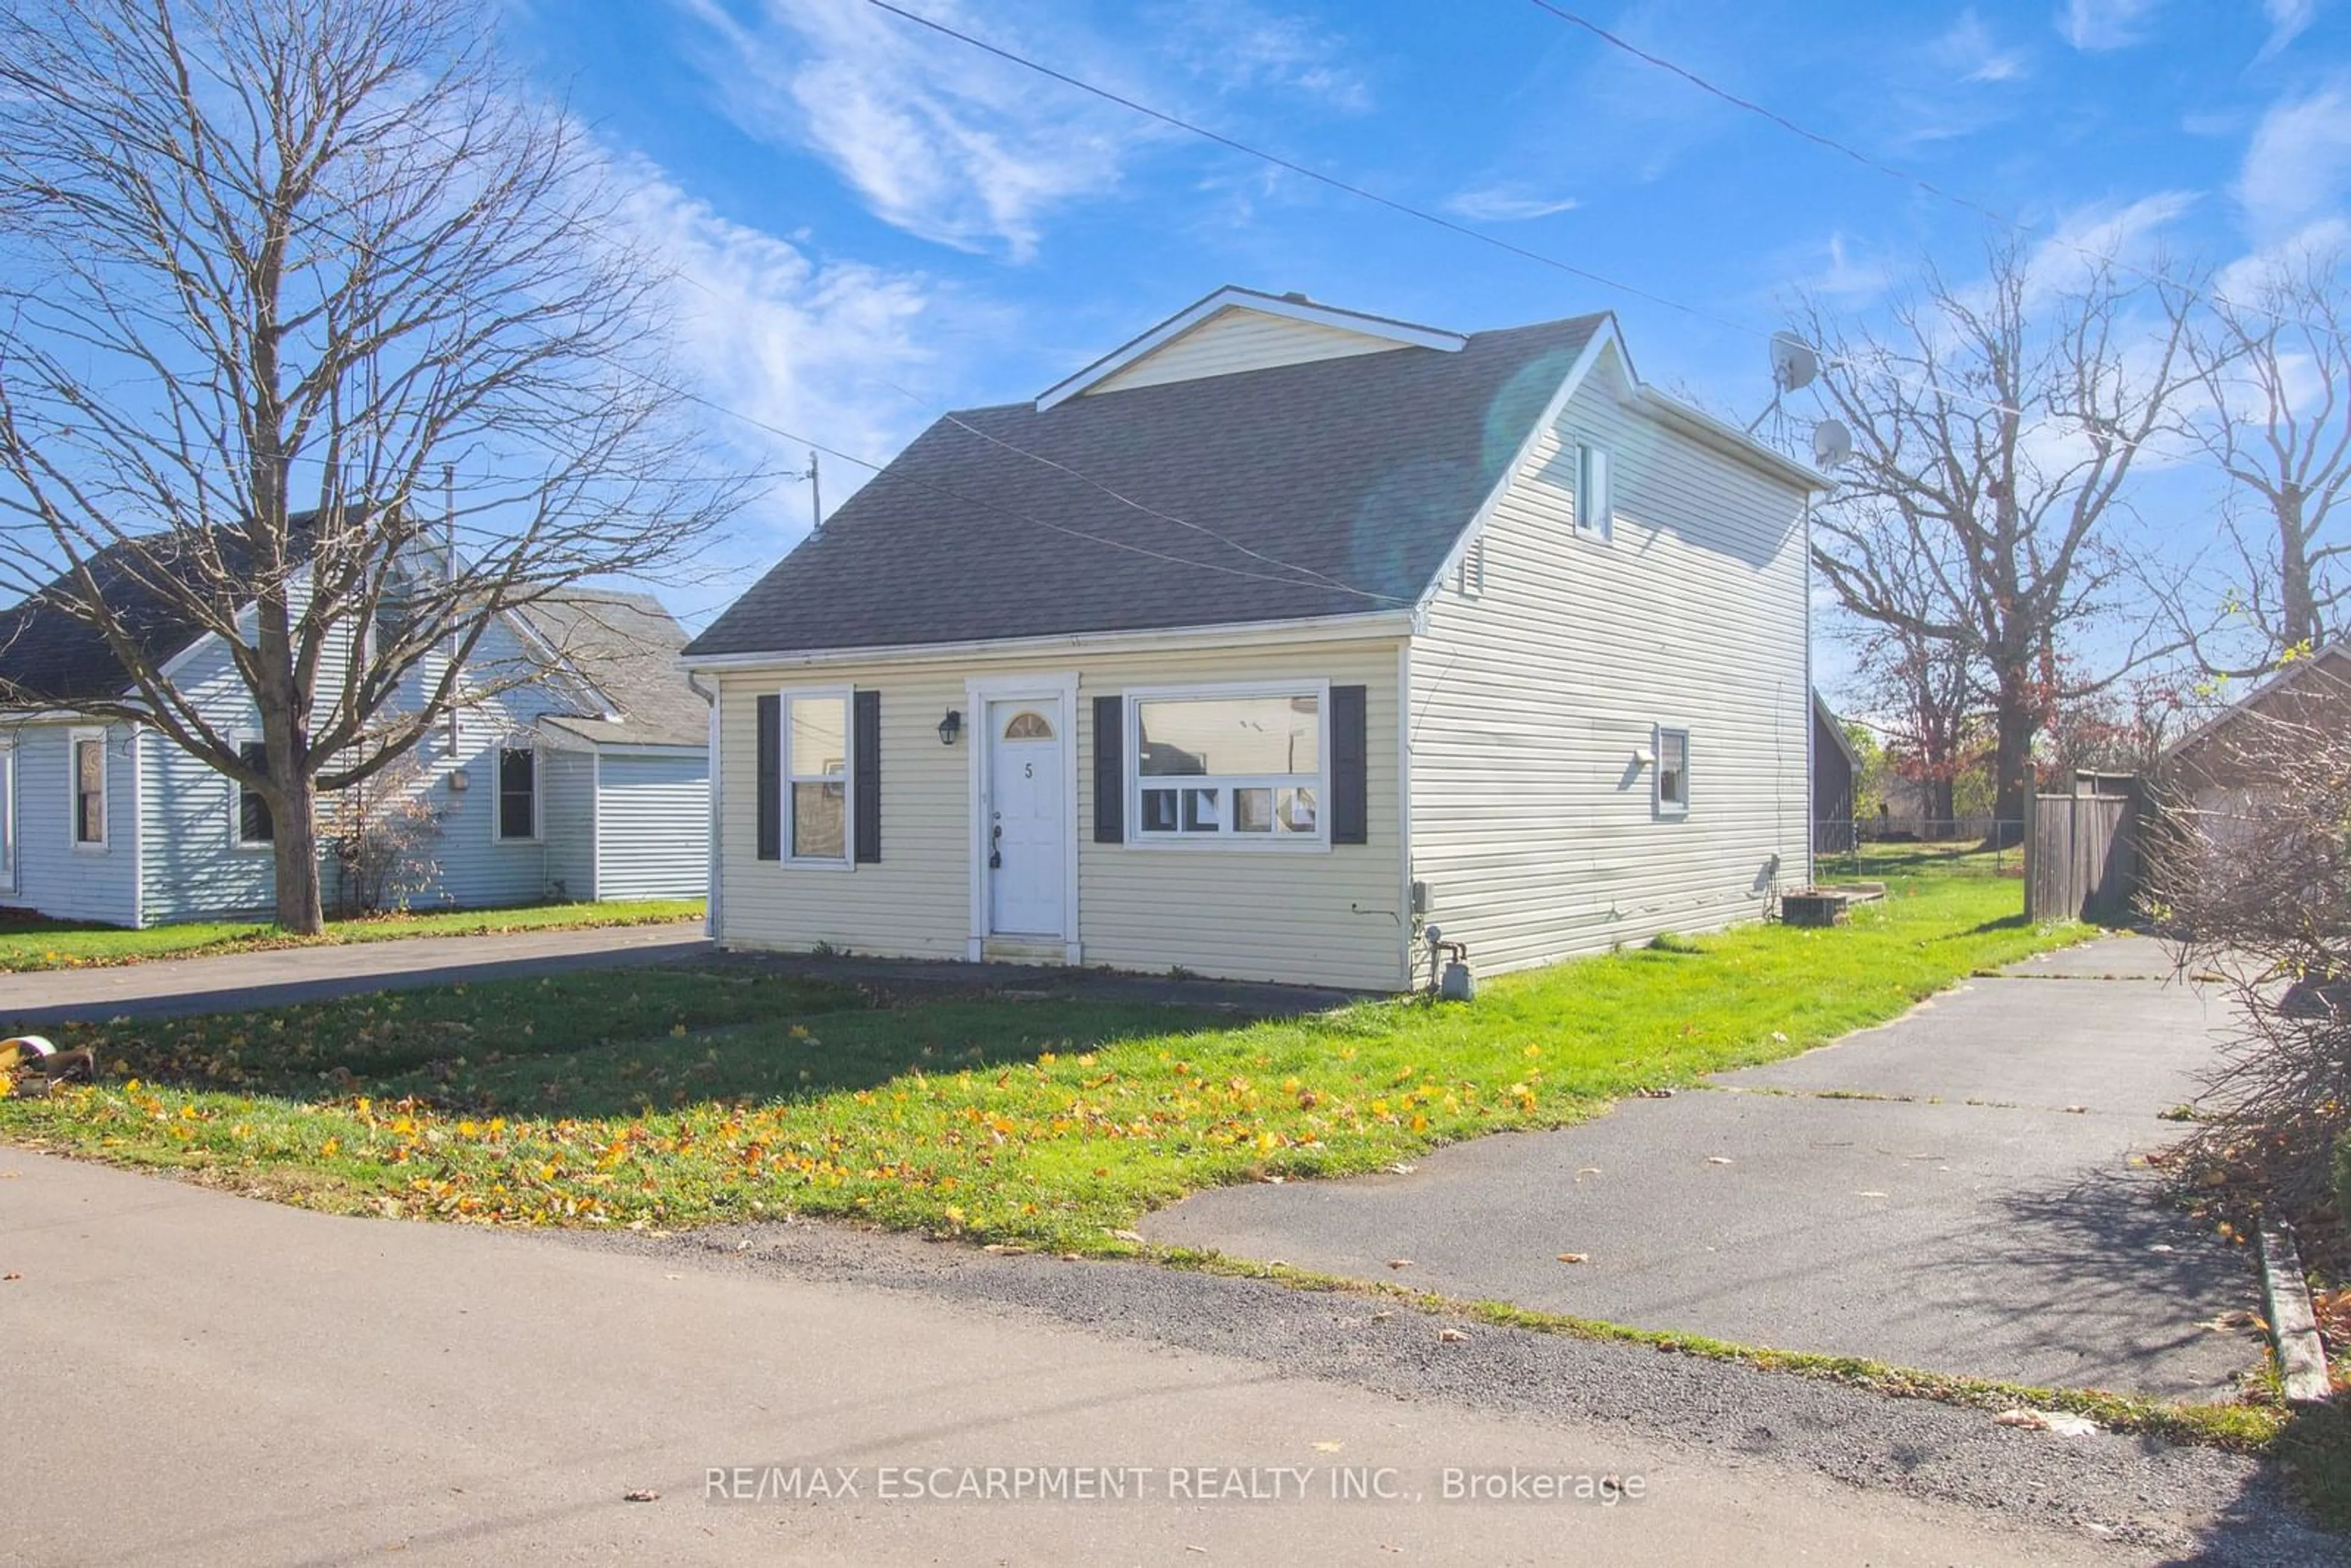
<point>865,771</point>
<point>771,778</point>
<point>1110,771</point>
<point>1350,767</point>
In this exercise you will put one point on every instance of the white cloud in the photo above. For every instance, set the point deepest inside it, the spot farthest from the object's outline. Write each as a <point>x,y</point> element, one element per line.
<point>1968,50</point>
<point>766,330</point>
<point>2298,164</point>
<point>1843,276</point>
<point>1504,205</point>
<point>974,151</point>
<point>936,137</point>
<point>1237,45</point>
<point>2288,19</point>
<point>2105,23</point>
<point>2132,234</point>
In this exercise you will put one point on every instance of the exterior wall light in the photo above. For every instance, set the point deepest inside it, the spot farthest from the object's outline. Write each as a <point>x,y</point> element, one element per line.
<point>950,727</point>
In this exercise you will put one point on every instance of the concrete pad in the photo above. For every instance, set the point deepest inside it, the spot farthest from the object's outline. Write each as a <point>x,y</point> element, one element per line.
<point>2108,959</point>
<point>193,1378</point>
<point>2124,1048</point>
<point>2008,1244</point>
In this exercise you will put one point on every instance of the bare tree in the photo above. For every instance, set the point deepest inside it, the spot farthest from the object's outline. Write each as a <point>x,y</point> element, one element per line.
<point>1995,426</point>
<point>2272,359</point>
<point>2250,876</point>
<point>1930,700</point>
<point>269,267</point>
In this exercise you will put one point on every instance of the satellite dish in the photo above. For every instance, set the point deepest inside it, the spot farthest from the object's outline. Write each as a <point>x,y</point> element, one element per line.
<point>1794,364</point>
<point>1832,444</point>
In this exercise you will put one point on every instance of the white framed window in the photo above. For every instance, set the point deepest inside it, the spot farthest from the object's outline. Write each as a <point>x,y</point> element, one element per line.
<point>251,828</point>
<point>1672,771</point>
<point>1470,578</point>
<point>1230,766</point>
<point>817,830</point>
<point>85,770</point>
<point>1595,496</point>
<point>516,821</point>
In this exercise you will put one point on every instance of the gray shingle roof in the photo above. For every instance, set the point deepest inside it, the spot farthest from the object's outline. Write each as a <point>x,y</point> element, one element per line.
<point>629,647</point>
<point>47,654</point>
<point>625,644</point>
<point>1328,488</point>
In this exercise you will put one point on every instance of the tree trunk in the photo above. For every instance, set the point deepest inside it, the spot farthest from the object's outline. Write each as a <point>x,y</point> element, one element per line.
<point>2299,611</point>
<point>1940,797</point>
<point>2017,719</point>
<point>294,820</point>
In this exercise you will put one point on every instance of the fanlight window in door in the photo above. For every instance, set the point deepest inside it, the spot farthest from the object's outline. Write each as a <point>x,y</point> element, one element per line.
<point>1028,725</point>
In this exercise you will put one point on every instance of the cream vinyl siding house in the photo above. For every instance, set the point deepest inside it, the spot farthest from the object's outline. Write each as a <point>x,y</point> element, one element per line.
<point>1676,622</point>
<point>1268,640</point>
<point>1332,914</point>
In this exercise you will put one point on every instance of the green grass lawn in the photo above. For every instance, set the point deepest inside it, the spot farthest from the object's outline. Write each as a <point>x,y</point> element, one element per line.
<point>36,944</point>
<point>677,1097</point>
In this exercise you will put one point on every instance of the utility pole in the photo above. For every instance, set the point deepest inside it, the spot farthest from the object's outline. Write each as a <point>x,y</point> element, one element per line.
<point>816,499</point>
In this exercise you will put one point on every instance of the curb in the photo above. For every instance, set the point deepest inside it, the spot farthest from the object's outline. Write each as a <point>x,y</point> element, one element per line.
<point>2294,1326</point>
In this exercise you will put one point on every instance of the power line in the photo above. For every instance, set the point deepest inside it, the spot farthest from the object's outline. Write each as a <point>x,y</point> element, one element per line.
<point>952,494</point>
<point>1321,579</point>
<point>1317,175</point>
<point>1846,149</point>
<point>1781,121</point>
<point>1391,203</point>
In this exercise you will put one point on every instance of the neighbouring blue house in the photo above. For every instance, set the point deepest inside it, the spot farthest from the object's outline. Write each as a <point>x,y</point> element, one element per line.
<point>590,781</point>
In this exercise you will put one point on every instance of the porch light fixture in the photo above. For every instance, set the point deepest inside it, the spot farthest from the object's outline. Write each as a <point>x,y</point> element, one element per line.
<point>950,727</point>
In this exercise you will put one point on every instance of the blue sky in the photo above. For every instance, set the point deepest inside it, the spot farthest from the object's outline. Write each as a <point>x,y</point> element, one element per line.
<point>875,223</point>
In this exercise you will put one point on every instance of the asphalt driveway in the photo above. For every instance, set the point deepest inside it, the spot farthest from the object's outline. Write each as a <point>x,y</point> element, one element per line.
<point>1956,1190</point>
<point>280,976</point>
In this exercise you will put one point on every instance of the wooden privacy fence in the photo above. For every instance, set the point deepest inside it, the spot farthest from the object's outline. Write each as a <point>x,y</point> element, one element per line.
<point>2082,855</point>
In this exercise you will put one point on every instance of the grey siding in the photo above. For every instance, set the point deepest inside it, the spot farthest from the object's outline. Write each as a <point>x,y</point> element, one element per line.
<point>1532,822</point>
<point>654,827</point>
<point>194,868</point>
<point>472,867</point>
<point>54,875</point>
<point>566,804</point>
<point>171,843</point>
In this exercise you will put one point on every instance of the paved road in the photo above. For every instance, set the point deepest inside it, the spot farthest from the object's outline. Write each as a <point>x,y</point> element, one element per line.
<point>190,1377</point>
<point>1978,1214</point>
<point>179,988</point>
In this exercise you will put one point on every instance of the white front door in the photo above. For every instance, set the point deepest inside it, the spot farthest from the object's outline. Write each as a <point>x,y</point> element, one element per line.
<point>1027,827</point>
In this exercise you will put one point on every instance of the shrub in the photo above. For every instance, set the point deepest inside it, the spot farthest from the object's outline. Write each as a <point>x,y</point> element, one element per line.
<point>2343,1180</point>
<point>381,833</point>
<point>2250,876</point>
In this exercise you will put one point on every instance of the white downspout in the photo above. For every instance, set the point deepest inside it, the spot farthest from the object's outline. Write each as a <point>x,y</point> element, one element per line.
<point>138,830</point>
<point>713,922</point>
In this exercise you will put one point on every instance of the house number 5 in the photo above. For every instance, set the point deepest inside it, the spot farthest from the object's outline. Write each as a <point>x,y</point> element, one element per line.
<point>1027,770</point>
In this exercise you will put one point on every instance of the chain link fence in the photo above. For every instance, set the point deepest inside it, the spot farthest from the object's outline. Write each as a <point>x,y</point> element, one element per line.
<point>1872,848</point>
